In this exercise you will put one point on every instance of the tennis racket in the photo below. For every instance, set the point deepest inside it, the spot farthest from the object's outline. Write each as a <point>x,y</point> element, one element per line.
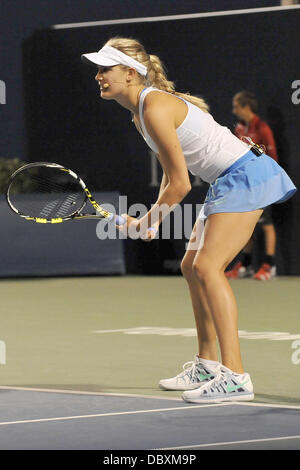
<point>46,192</point>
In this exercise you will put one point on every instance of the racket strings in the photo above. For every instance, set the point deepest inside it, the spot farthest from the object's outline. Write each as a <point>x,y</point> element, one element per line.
<point>46,192</point>
<point>45,185</point>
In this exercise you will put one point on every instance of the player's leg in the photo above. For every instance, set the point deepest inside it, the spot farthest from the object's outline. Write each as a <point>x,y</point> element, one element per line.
<point>221,244</point>
<point>203,367</point>
<point>206,333</point>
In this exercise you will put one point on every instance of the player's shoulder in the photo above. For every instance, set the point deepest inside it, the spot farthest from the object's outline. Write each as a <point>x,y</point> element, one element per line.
<point>157,105</point>
<point>156,98</point>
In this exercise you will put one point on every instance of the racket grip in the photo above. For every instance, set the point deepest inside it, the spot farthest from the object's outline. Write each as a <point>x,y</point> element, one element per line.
<point>119,220</point>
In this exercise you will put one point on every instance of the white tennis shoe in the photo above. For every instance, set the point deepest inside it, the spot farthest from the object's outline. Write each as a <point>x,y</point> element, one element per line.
<point>193,376</point>
<point>226,386</point>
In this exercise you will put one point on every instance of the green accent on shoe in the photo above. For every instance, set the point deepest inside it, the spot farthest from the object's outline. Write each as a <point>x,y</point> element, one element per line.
<point>205,376</point>
<point>231,388</point>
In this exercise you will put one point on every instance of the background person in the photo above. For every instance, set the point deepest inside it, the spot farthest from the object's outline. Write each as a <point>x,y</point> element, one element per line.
<point>244,107</point>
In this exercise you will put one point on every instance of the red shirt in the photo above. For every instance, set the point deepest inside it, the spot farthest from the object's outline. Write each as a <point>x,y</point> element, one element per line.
<point>260,133</point>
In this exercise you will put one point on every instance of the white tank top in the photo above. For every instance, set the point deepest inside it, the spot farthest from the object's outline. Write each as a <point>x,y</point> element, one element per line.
<point>208,148</point>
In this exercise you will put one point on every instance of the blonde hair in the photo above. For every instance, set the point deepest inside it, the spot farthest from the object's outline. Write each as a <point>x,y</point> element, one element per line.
<point>156,76</point>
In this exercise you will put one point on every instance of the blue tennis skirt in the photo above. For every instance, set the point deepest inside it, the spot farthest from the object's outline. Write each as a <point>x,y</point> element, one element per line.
<point>252,182</point>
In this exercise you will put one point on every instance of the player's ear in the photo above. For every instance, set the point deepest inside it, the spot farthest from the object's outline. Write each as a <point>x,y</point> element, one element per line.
<point>131,74</point>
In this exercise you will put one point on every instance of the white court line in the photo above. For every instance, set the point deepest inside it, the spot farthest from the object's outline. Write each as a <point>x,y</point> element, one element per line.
<point>267,405</point>
<point>81,392</point>
<point>118,413</point>
<point>152,397</point>
<point>197,446</point>
<point>148,19</point>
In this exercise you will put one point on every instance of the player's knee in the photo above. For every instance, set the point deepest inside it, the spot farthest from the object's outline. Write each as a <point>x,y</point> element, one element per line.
<point>201,268</point>
<point>187,269</point>
<point>205,268</point>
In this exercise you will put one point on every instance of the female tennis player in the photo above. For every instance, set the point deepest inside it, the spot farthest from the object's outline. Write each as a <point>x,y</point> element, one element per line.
<point>184,135</point>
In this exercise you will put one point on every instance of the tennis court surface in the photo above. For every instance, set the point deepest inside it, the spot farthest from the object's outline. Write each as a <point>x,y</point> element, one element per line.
<point>81,359</point>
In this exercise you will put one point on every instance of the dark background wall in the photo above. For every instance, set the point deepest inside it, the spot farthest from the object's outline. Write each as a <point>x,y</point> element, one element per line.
<point>18,19</point>
<point>53,111</point>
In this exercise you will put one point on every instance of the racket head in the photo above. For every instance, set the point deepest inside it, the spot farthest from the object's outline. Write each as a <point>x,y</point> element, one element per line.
<point>46,192</point>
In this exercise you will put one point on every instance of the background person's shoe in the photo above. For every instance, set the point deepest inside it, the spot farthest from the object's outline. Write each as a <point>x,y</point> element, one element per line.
<point>239,271</point>
<point>234,272</point>
<point>265,272</point>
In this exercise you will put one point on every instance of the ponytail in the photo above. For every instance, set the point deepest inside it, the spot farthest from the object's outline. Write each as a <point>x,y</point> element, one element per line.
<point>157,76</point>
<point>158,79</point>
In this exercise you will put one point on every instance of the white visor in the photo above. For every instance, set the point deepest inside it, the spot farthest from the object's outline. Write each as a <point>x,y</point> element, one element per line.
<point>109,56</point>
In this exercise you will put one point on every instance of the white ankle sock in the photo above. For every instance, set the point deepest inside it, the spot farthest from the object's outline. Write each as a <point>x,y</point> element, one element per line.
<point>234,373</point>
<point>208,362</point>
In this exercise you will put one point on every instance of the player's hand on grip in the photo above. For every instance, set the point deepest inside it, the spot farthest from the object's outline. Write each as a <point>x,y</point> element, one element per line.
<point>151,232</point>
<point>133,229</point>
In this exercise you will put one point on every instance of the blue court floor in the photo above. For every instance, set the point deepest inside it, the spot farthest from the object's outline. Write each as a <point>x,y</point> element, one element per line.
<point>62,420</point>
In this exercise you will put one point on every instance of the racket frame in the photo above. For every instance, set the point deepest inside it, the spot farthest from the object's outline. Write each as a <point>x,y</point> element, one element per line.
<point>101,213</point>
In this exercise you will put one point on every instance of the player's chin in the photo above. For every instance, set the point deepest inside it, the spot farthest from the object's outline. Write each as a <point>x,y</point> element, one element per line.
<point>105,95</point>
